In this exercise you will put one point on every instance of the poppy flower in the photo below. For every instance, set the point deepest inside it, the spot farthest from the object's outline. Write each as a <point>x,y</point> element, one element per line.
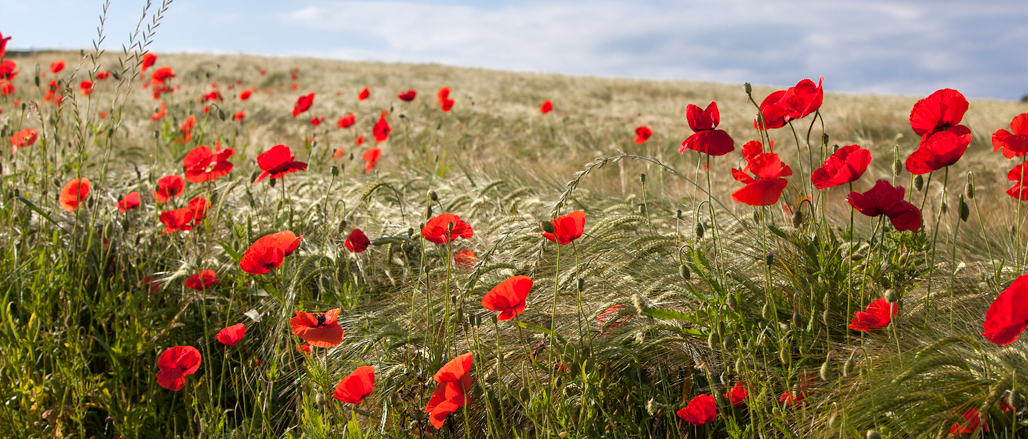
<point>269,252</point>
<point>357,241</point>
<point>305,348</point>
<point>57,67</point>
<point>1015,143</point>
<point>202,281</point>
<point>407,96</point>
<point>103,115</point>
<point>6,88</point>
<point>1020,188</point>
<point>974,420</point>
<point>642,134</point>
<point>178,219</point>
<point>318,329</point>
<point>356,386</point>
<point>160,113</point>
<point>74,193</point>
<point>938,112</point>
<point>187,128</point>
<point>546,107</point>
<point>131,201</point>
<point>611,311</point>
<point>567,228</point>
<point>1007,317</point>
<point>23,138</point>
<point>8,69</point>
<point>450,394</point>
<point>939,150</point>
<point>701,410</point>
<point>212,96</point>
<point>346,121</point>
<point>159,76</point>
<point>877,316</point>
<point>303,103</point>
<point>446,105</point>
<point>86,87</point>
<point>465,260</point>
<point>277,162</point>
<point>3,45</point>
<point>884,199</point>
<point>199,207</point>
<point>443,94</point>
<point>844,166</point>
<point>371,157</point>
<point>53,93</point>
<point>150,284</point>
<point>100,76</point>
<point>793,399</point>
<point>231,335</point>
<point>767,187</point>
<point>706,138</point>
<point>239,116</point>
<point>381,130</point>
<point>245,95</point>
<point>174,364</point>
<point>797,102</point>
<point>202,164</point>
<point>358,141</point>
<point>437,230</point>
<point>363,94</point>
<point>316,121</point>
<point>508,297</point>
<point>149,59</point>
<point>737,395</point>
<point>168,187</point>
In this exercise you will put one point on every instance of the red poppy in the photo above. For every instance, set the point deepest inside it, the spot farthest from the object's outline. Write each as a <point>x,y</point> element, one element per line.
<point>371,157</point>
<point>187,128</point>
<point>937,112</point>
<point>178,219</point>
<point>150,284</point>
<point>508,297</point>
<point>1014,144</point>
<point>239,116</point>
<point>86,87</point>
<point>160,75</point>
<point>212,96</point>
<point>23,138</point>
<point>601,318</point>
<point>642,134</point>
<point>738,395</point>
<point>160,113</point>
<point>245,95</point>
<point>358,141</point>
<point>175,363</point>
<point>149,59</point>
<point>320,330</point>
<point>437,230</point>
<point>74,193</point>
<point>877,316</point>
<point>3,44</point>
<point>1007,317</point>
<point>446,105</point>
<point>357,241</point>
<point>277,162</point>
<point>408,95</point>
<point>168,187</point>
<point>1020,188</point>
<point>444,93</point>
<point>6,88</point>
<point>767,187</point>
<point>347,121</point>
<point>884,199</point>
<point>199,207</point>
<point>303,103</point>
<point>356,386</point>
<point>793,399</point>
<point>8,70</point>
<point>202,164</point>
<point>381,130</point>
<point>454,380</point>
<point>706,138</point>
<point>363,94</point>
<point>202,281</point>
<point>305,348</point>
<point>701,410</point>
<point>939,149</point>
<point>567,228</point>
<point>465,260</point>
<point>974,420</point>
<point>131,201</point>
<point>57,67</point>
<point>269,252</point>
<point>53,93</point>
<point>845,166</point>
<point>231,335</point>
<point>546,107</point>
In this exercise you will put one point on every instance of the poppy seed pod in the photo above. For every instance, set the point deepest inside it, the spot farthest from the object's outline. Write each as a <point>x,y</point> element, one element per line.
<point>918,182</point>
<point>678,214</point>
<point>769,259</point>
<point>642,178</point>
<point>699,230</point>
<point>826,369</point>
<point>748,88</point>
<point>765,312</point>
<point>824,139</point>
<point>892,296</point>
<point>432,196</point>
<point>969,187</point>
<point>335,171</point>
<point>873,434</point>
<point>683,270</point>
<point>581,284</point>
<point>732,302</point>
<point>797,219</point>
<point>547,226</point>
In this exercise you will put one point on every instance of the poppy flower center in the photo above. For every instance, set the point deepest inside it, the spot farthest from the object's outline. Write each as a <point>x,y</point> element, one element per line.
<point>321,319</point>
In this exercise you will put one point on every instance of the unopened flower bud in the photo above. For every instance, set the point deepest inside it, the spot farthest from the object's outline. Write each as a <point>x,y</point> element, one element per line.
<point>826,370</point>
<point>769,259</point>
<point>748,88</point>
<point>835,148</point>
<point>432,196</point>
<point>847,368</point>
<point>765,312</point>
<point>873,434</point>
<point>712,341</point>
<point>678,214</point>
<point>797,219</point>
<point>1014,400</point>
<point>683,270</point>
<point>581,284</point>
<point>272,182</point>
<point>918,182</point>
<point>965,210</point>
<point>335,171</point>
<point>732,302</point>
<point>944,208</point>
<point>547,226</point>
<point>824,139</point>
<point>642,209</point>
<point>699,230</point>
<point>969,187</point>
<point>221,115</point>
<point>410,232</point>
<point>428,211</point>
<point>891,296</point>
<point>642,178</point>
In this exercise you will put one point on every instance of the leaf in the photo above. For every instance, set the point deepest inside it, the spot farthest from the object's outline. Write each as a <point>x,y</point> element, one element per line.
<point>232,253</point>
<point>542,330</point>
<point>36,209</point>
<point>667,314</point>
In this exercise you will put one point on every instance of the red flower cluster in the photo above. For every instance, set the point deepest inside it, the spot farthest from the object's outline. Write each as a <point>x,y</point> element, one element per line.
<point>767,186</point>
<point>943,141</point>
<point>451,393</point>
<point>974,420</point>
<point>437,230</point>
<point>877,316</point>
<point>202,281</point>
<point>184,218</point>
<point>567,228</point>
<point>202,164</point>
<point>884,199</point>
<point>445,103</point>
<point>174,364</point>
<point>269,252</point>
<point>797,102</point>
<point>370,156</point>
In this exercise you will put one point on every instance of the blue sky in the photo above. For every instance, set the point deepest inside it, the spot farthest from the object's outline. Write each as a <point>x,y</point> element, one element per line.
<point>909,47</point>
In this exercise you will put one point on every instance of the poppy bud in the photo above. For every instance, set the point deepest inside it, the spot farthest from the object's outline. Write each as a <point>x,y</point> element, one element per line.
<point>254,175</point>
<point>546,226</point>
<point>428,211</point>
<point>460,315</point>
<point>873,434</point>
<point>825,316</point>
<point>351,156</point>
<point>739,364</point>
<point>769,259</point>
<point>1014,400</point>
<point>57,182</point>
<point>642,209</point>
<point>37,85</point>
<point>683,270</point>
<point>824,139</point>
<point>678,214</point>
<point>748,88</point>
<point>639,302</point>
<point>847,368</point>
<point>699,230</point>
<point>712,340</point>
<point>944,208</point>
<point>581,284</point>
<point>891,296</point>
<point>756,216</point>
<point>642,178</point>
<point>918,182</point>
<point>221,114</point>
<point>797,219</point>
<point>783,354</point>
<point>732,302</point>
<point>272,183</point>
<point>765,312</point>
<point>965,210</point>
<point>432,196</point>
<point>449,227</point>
<point>319,399</point>
<point>826,368</point>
